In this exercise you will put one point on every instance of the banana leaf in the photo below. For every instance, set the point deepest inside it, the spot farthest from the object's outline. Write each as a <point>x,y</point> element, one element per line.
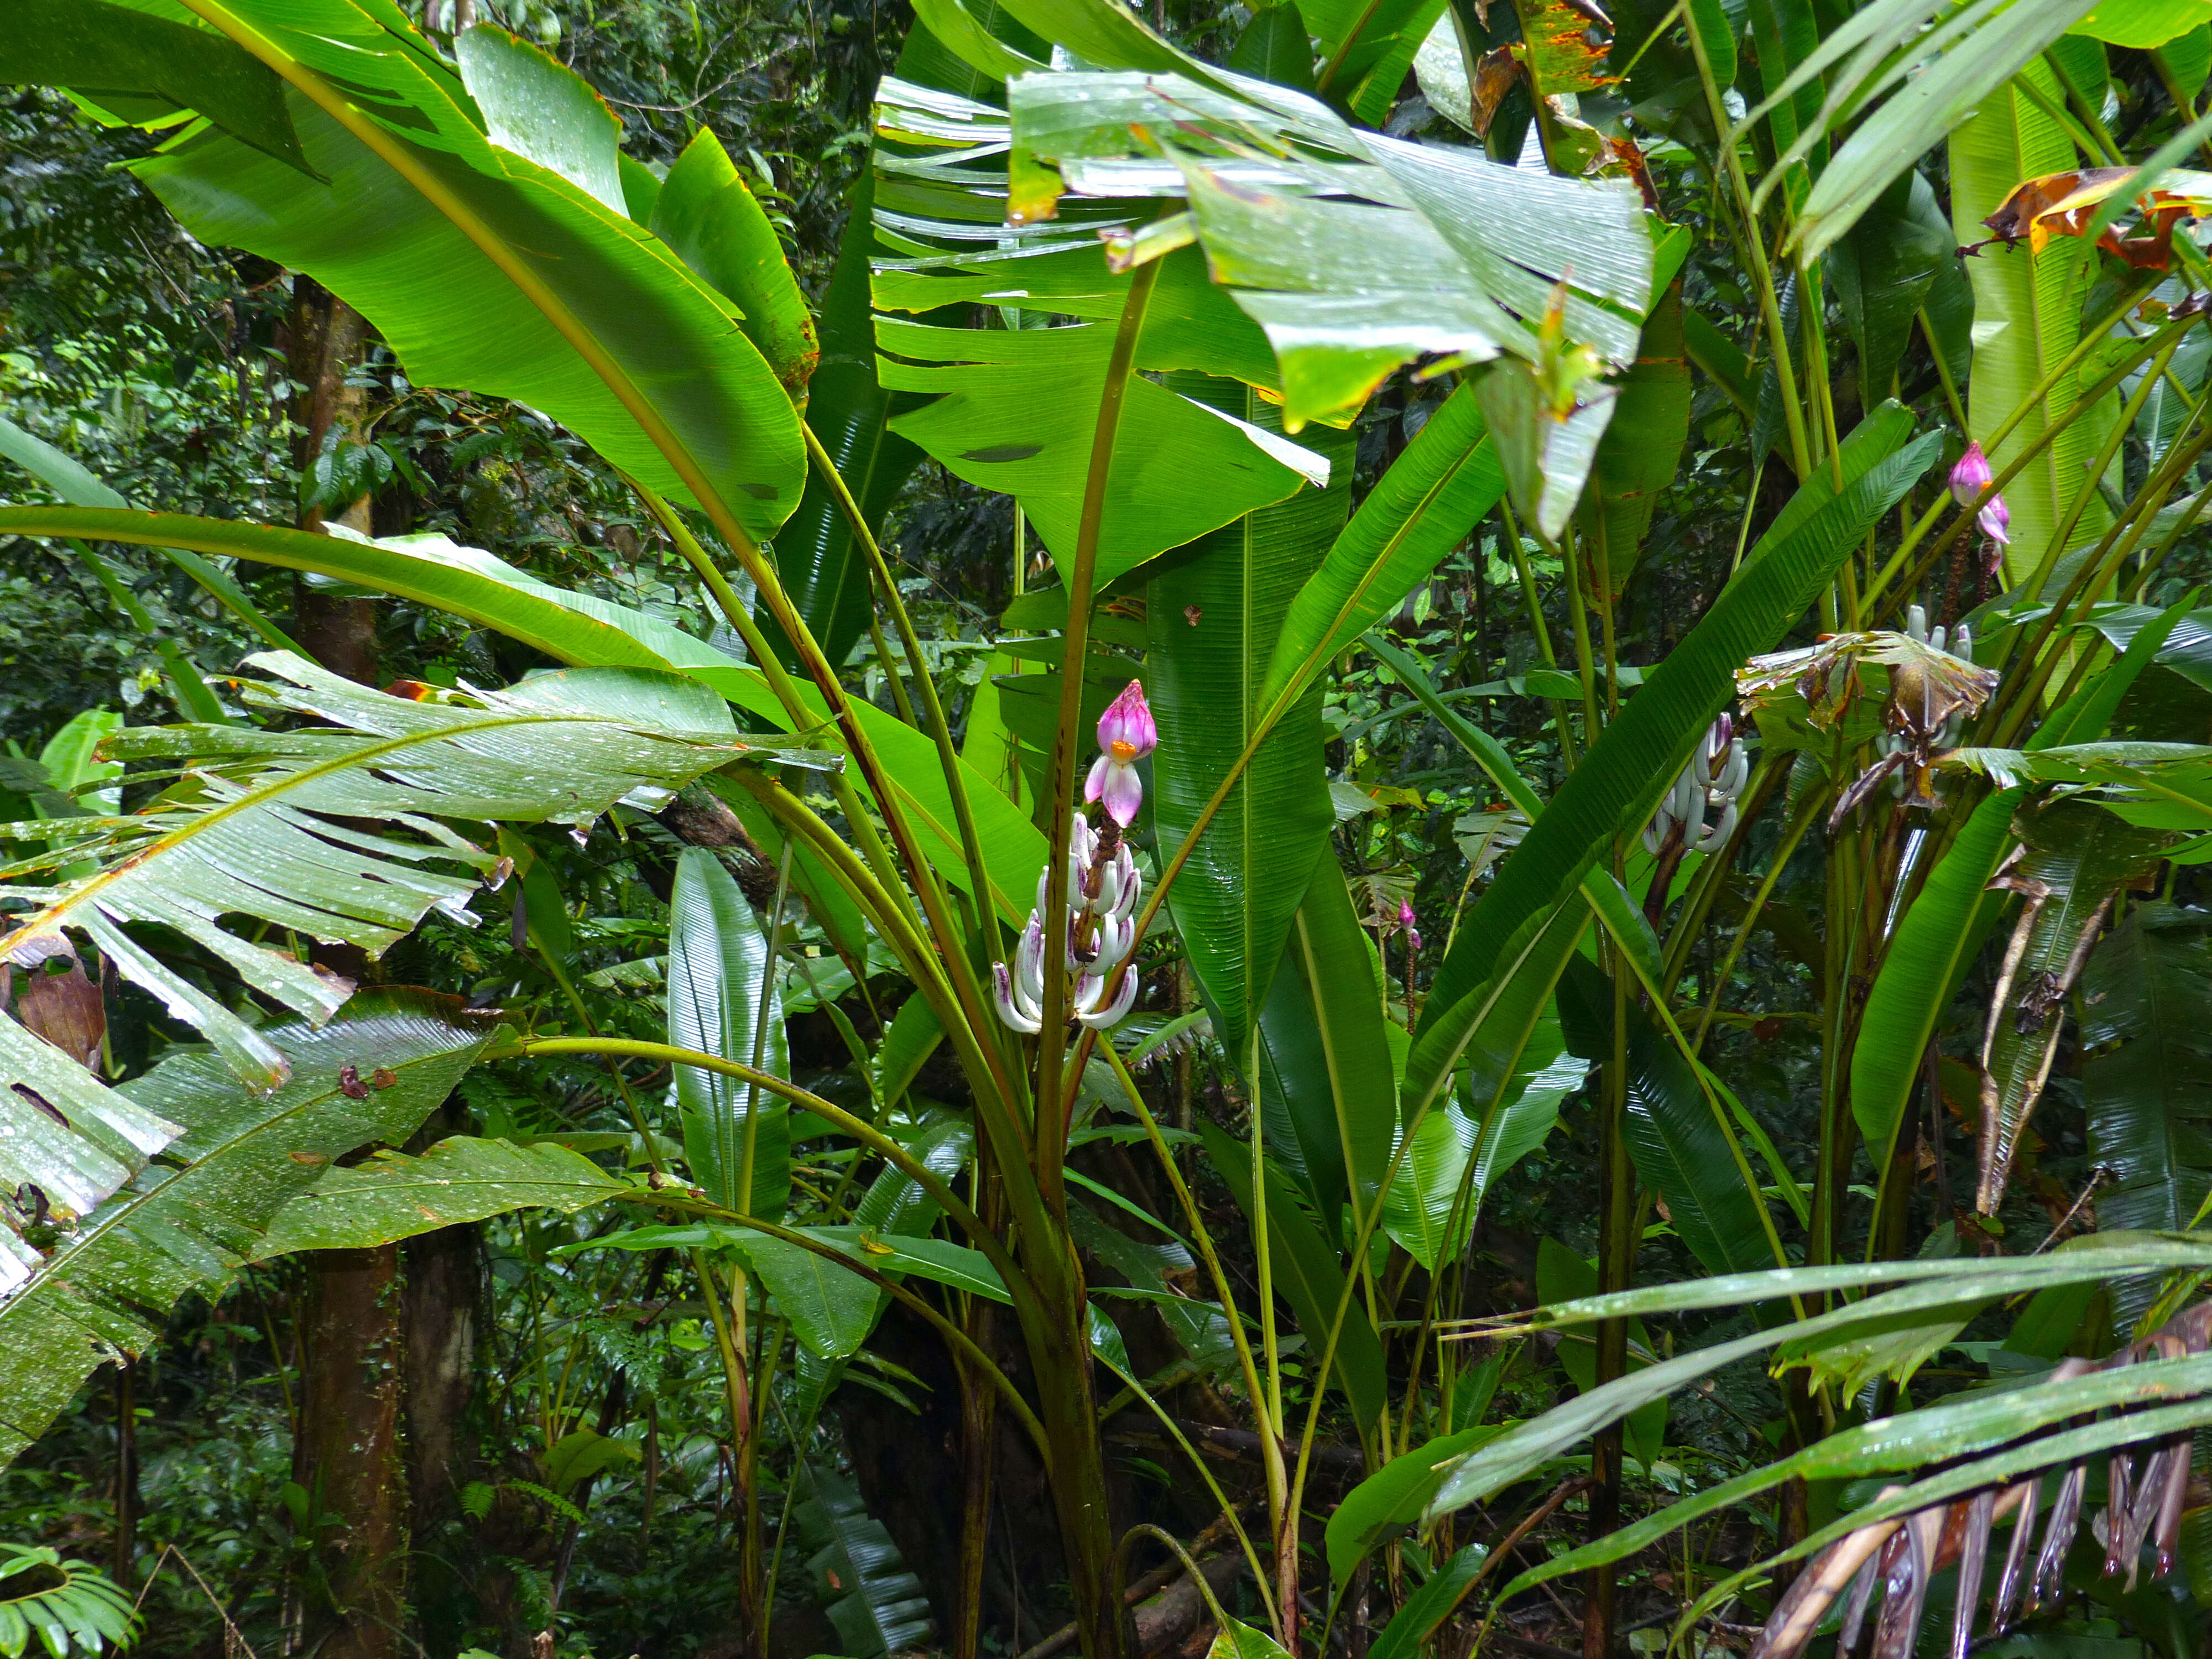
<point>274,832</point>
<point>499,260</point>
<point>370,1076</point>
<point>393,1196</point>
<point>2146,1084</point>
<point>1212,619</point>
<point>724,999</point>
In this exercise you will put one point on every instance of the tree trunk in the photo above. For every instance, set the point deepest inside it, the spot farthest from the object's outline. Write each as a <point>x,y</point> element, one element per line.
<point>438,1320</point>
<point>326,343</point>
<point>350,1459</point>
<point>348,1456</point>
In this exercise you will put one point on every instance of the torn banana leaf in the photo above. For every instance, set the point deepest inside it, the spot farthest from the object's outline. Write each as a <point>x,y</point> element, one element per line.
<point>2077,859</point>
<point>272,825</point>
<point>1354,252</point>
<point>101,1284</point>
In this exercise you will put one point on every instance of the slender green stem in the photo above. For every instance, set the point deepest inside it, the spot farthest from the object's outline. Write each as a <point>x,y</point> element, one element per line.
<point>1221,1498</point>
<point>1951,397</point>
<point>2087,490</point>
<point>1202,1240</point>
<point>955,779</point>
<point>2017,699</point>
<point>836,1117</point>
<point>1263,1257</point>
<point>1754,248</point>
<point>1799,821</point>
<point>1536,626</point>
<point>954,1336</point>
<point>1578,612</point>
<point>894,921</point>
<point>2035,446</point>
<point>2084,126</point>
<point>900,702</point>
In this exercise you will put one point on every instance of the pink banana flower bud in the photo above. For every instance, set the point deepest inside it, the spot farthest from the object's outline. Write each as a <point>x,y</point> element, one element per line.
<point>1126,735</point>
<point>1969,478</point>
<point>1407,920</point>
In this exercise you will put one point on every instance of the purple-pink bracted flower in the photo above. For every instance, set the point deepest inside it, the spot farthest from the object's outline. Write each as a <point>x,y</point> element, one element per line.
<point>1969,478</point>
<point>1407,920</point>
<point>1126,735</point>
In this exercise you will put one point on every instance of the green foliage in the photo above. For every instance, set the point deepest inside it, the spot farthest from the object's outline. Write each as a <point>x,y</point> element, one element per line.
<point>1429,499</point>
<point>67,1606</point>
<point>371,1077</point>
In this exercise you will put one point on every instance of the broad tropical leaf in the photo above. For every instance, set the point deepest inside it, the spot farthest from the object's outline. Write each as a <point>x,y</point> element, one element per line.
<point>1882,271</point>
<point>1017,412</point>
<point>724,999</point>
<point>1412,1625</point>
<point>818,559</point>
<point>370,1077</point>
<point>2027,317</point>
<point>1442,252</point>
<point>82,1611</point>
<point>64,1134</point>
<point>1492,1467</point>
<point>705,212</point>
<point>71,481</point>
<point>2078,859</point>
<point>1639,451</point>
<point>578,629</point>
<point>1391,1501</point>
<point>392,1196</point>
<point>1213,621</point>
<point>259,828</point>
<point>859,1576</point>
<point>138,67</point>
<point>1946,72</point>
<point>1457,1154</point>
<point>1956,1428</point>
<point>1328,1082</point>
<point>1417,512</point>
<point>2147,1031</point>
<point>476,220</point>
<point>1934,942</point>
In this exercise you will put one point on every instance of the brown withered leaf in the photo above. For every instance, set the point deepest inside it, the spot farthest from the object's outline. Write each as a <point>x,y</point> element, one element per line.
<point>64,1008</point>
<point>1625,154</point>
<point>2063,204</point>
<point>1494,77</point>
<point>2147,1493</point>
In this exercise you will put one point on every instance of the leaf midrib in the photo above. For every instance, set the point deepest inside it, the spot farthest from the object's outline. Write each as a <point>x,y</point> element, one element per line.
<point>351,760</point>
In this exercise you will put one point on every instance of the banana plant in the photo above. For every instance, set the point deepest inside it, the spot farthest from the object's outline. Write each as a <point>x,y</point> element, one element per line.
<point>1233,267</point>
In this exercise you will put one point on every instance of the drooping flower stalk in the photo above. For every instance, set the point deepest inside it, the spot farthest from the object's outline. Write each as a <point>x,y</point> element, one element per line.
<point>1102,886</point>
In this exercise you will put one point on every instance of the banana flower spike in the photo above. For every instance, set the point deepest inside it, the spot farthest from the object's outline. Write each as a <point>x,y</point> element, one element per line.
<point>1407,920</point>
<point>1127,734</point>
<point>1969,478</point>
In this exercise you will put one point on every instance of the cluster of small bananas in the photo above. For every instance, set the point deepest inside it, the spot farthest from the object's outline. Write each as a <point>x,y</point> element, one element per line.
<point>1712,780</point>
<point>1947,735</point>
